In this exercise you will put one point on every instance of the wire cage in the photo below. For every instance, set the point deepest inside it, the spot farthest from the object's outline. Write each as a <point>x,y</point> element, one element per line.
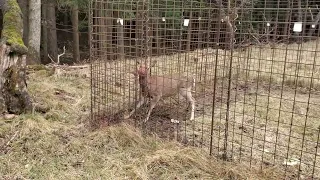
<point>255,66</point>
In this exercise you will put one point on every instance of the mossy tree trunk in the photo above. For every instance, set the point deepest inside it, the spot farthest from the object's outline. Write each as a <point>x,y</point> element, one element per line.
<point>14,97</point>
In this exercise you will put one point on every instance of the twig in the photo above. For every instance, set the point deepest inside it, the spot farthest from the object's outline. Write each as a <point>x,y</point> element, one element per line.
<point>64,51</point>
<point>77,67</point>
<point>12,138</point>
<point>58,60</point>
<point>51,58</point>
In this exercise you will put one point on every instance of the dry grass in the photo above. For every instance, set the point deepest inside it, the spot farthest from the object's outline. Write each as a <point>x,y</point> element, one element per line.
<point>58,145</point>
<point>274,104</point>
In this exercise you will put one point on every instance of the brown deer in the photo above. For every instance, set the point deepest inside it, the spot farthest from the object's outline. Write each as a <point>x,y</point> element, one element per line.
<point>158,86</point>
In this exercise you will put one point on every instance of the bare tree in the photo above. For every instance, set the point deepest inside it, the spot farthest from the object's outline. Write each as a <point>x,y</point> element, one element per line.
<point>34,38</point>
<point>24,9</point>
<point>52,31</point>
<point>44,31</point>
<point>75,28</point>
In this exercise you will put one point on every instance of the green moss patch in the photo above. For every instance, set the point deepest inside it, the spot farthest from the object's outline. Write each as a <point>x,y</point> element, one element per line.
<point>12,27</point>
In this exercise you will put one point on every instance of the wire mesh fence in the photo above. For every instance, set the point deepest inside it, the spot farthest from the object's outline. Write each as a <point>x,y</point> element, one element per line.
<point>252,66</point>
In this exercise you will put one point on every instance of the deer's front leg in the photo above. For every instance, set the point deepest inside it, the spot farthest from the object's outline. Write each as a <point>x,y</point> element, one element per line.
<point>140,103</point>
<point>153,103</point>
<point>192,102</point>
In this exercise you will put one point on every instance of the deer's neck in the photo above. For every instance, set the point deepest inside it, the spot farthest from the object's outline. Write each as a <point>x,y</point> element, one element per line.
<point>143,81</point>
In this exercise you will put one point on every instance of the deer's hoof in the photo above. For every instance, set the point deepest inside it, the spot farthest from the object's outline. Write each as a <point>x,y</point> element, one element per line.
<point>126,116</point>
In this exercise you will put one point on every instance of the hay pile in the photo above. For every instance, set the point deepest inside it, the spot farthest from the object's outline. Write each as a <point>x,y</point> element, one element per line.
<point>56,144</point>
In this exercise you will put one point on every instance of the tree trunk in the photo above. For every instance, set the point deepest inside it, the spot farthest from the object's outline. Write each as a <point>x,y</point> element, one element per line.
<point>25,12</point>
<point>14,97</point>
<point>139,30</point>
<point>230,33</point>
<point>189,33</point>
<point>287,24</point>
<point>108,29</point>
<point>199,34</point>
<point>34,40</point>
<point>52,30</point>
<point>149,37</point>
<point>120,41</point>
<point>44,32</point>
<point>75,27</point>
<point>299,19</point>
<point>157,37</point>
<point>275,34</point>
<point>315,23</point>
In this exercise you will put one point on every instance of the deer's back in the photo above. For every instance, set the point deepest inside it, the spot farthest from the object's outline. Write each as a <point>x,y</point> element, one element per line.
<point>168,85</point>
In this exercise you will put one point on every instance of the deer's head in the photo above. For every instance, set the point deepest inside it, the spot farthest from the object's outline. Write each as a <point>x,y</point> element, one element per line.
<point>143,68</point>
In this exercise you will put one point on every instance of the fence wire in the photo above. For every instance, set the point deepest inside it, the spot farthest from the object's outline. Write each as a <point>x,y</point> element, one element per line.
<point>256,69</point>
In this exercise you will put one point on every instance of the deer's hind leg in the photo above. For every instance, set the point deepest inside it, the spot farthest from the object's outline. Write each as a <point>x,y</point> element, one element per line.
<point>186,93</point>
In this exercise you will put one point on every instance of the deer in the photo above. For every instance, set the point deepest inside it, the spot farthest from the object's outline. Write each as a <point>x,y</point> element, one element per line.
<point>162,86</point>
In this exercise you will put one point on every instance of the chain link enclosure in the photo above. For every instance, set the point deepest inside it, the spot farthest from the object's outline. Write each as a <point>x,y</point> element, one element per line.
<point>256,65</point>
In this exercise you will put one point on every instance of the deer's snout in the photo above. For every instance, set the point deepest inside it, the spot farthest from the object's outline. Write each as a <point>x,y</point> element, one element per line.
<point>142,71</point>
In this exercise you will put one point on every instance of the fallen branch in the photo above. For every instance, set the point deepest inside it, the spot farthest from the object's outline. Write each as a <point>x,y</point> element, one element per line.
<point>67,67</point>
<point>12,138</point>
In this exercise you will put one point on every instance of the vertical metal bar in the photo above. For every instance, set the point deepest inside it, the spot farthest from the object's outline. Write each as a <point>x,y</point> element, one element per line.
<point>281,94</point>
<point>308,108</point>
<point>316,153</point>
<point>215,78</point>
<point>269,89</point>
<point>241,34</point>
<point>180,51</point>
<point>297,71</point>
<point>207,42</point>
<point>310,88</point>
<point>92,119</point>
<point>226,133</point>
<point>248,59</point>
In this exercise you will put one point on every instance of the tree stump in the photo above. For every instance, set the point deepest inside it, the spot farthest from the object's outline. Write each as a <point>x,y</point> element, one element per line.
<point>14,97</point>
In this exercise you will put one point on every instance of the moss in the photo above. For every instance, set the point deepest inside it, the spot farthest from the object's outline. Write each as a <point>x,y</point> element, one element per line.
<point>13,27</point>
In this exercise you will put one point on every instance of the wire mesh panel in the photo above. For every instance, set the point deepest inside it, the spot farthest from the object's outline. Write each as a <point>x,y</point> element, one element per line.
<point>252,67</point>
